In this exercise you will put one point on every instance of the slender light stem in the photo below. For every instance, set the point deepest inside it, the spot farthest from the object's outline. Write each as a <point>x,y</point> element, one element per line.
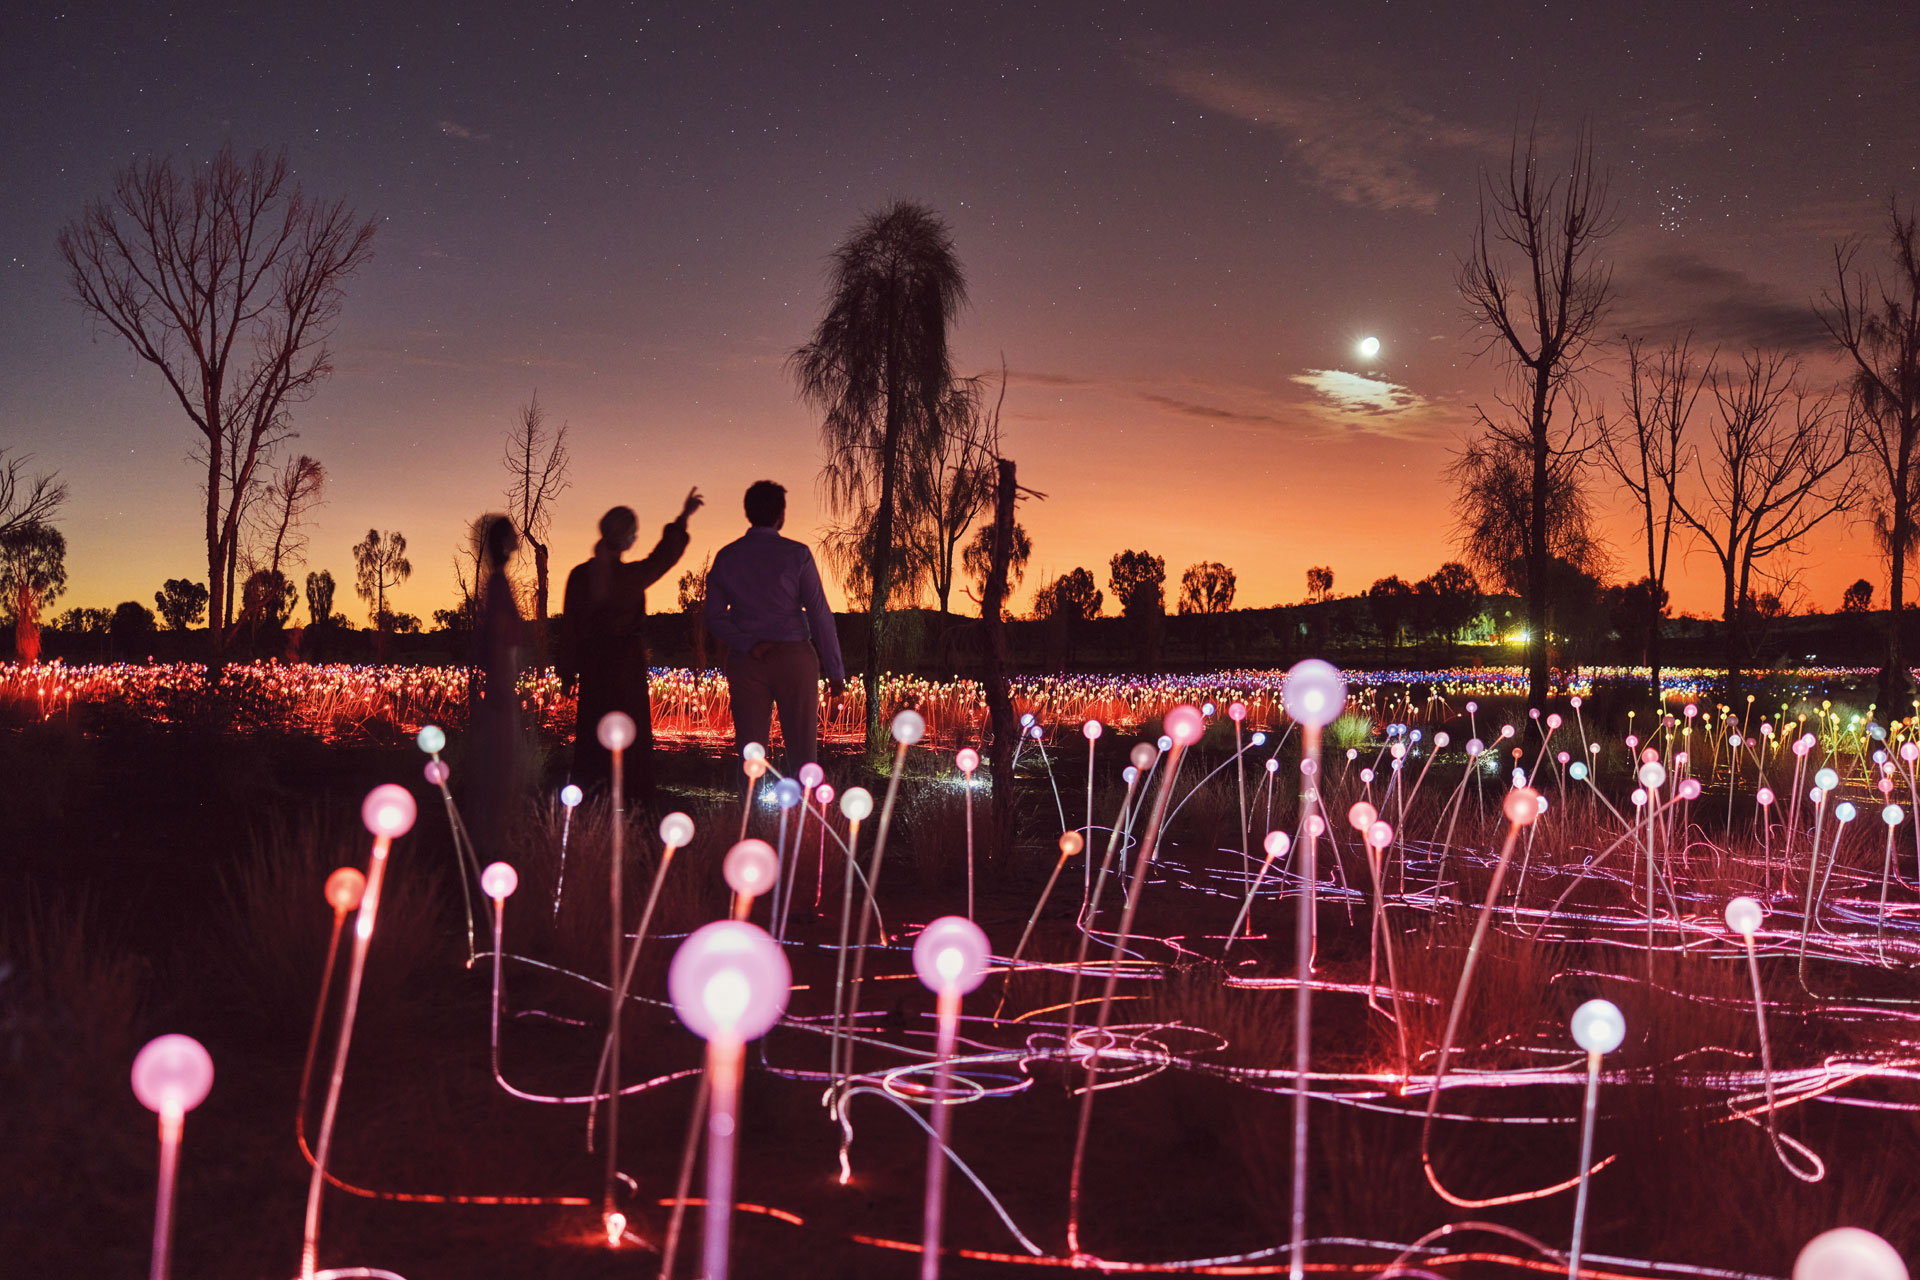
<point>840,968</point>
<point>171,1122</point>
<point>1586,1164</point>
<point>1307,844</point>
<point>609,1054</point>
<point>616,997</point>
<point>968,805</point>
<point>860,936</point>
<point>1014,963</point>
<point>723,1075</point>
<point>362,935</point>
<point>949,1018</point>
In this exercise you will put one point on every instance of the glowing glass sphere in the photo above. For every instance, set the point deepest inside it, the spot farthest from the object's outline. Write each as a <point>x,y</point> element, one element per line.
<point>1521,806</point>
<point>1035,733</point>
<point>1801,747</point>
<point>1164,743</point>
<point>1313,693</point>
<point>571,795</point>
<point>1352,755</point>
<point>1574,701</point>
<point>966,759</point>
<point>1639,797</point>
<point>811,775</point>
<point>1844,811</point>
<point>1129,775</point>
<point>1910,751</point>
<point>1185,724</point>
<point>751,867</point>
<point>1563,757</point>
<point>432,739</point>
<point>1599,1026</point>
<point>436,773</point>
<point>753,751</point>
<point>344,889</point>
<point>1892,815</point>
<point>676,829</point>
<point>1744,916</point>
<point>755,769</point>
<point>824,794</point>
<point>1689,788</point>
<point>499,881</point>
<point>909,727</point>
<point>1848,1253</point>
<point>1692,710</point>
<point>1826,779</point>
<point>1143,755</point>
<point>1764,795</point>
<point>1277,843</point>
<point>1092,729</point>
<point>1441,739</point>
<point>1475,747</point>
<point>856,804</point>
<point>172,1075</point>
<point>1652,774</point>
<point>1380,835</point>
<point>1316,826</point>
<point>1816,795</point>
<point>729,981</point>
<point>1366,775</point>
<point>1472,707</point>
<point>616,731</point>
<point>1577,771</point>
<point>1259,738</point>
<point>1273,765</point>
<point>951,955</point>
<point>1026,719</point>
<point>388,811</point>
<point>1206,709</point>
<point>1361,815</point>
<point>1506,731</point>
<point>1236,711</point>
<point>1553,721</point>
<point>786,793</point>
<point>1071,842</point>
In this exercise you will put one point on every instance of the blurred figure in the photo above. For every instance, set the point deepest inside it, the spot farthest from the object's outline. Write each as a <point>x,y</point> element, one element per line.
<point>766,604</point>
<point>603,644</point>
<point>499,634</point>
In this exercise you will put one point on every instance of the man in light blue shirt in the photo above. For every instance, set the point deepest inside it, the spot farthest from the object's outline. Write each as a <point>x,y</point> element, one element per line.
<point>766,604</point>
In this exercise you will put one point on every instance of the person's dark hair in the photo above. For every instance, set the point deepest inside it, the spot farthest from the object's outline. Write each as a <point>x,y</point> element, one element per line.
<point>766,502</point>
<point>616,525</point>
<point>496,540</point>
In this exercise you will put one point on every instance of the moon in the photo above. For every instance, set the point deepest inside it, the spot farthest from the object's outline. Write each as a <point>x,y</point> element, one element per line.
<point>1369,347</point>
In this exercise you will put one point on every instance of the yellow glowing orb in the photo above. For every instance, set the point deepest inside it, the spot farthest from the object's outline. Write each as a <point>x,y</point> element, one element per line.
<point>1369,347</point>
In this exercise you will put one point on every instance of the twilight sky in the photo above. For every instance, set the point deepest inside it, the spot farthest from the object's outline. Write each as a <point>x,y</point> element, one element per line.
<point>1177,221</point>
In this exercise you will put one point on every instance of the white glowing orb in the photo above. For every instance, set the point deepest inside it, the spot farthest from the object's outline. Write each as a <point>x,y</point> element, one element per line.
<point>729,979</point>
<point>1369,348</point>
<point>1599,1026</point>
<point>856,804</point>
<point>388,811</point>
<point>499,881</point>
<point>951,955</point>
<point>751,867</point>
<point>1848,1253</point>
<point>676,829</point>
<point>1744,916</point>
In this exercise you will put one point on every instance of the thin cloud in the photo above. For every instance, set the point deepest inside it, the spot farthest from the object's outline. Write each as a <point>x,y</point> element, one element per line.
<point>1353,395</point>
<point>1359,148</point>
<point>454,129</point>
<point>1684,289</point>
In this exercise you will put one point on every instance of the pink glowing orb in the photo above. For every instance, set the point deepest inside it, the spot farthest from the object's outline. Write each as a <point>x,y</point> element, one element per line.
<point>436,772</point>
<point>729,981</point>
<point>1277,843</point>
<point>1801,747</point>
<point>1534,712</point>
<point>1441,739</point>
<point>616,731</point>
<point>856,804</point>
<point>344,889</point>
<point>811,775</point>
<point>1563,757</point>
<point>1093,729</point>
<point>1598,1026</point>
<point>1633,741</point>
<point>1380,835</point>
<point>1679,757</point>
<point>1886,786</point>
<point>1639,797</point>
<point>755,769</point>
<point>966,759</point>
<point>1366,775</point>
<point>1506,731</point>
<point>1692,710</point>
<point>676,830</point>
<point>751,867</point>
<point>1352,754</point>
<point>1184,724</point>
<point>1313,693</point>
<point>1071,842</point>
<point>1472,707</point>
<point>388,811</point>
<point>824,794</point>
<point>499,881</point>
<point>1764,795</point>
<point>1744,916</point>
<point>1143,755</point>
<point>1910,751</point>
<point>951,955</point>
<point>1574,701</point>
<point>1521,806</point>
<point>909,727</point>
<point>1650,755</point>
<point>1690,789</point>
<point>1652,775</point>
<point>1236,711</point>
<point>1273,765</point>
<point>172,1075</point>
<point>1848,1253</point>
<point>1475,747</point>
<point>1361,816</point>
<point>1316,826</point>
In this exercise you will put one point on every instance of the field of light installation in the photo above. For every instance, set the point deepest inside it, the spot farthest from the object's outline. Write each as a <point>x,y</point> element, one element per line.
<point>1608,990</point>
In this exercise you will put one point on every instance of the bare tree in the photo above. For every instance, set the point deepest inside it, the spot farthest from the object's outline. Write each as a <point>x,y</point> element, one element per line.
<point>1643,448</point>
<point>27,500</point>
<point>228,280</point>
<point>949,488</point>
<point>1875,320</point>
<point>537,460</point>
<point>1535,288</point>
<point>1782,464</point>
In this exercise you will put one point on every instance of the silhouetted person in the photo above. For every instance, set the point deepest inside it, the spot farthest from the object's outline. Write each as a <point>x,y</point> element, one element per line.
<point>765,603</point>
<point>500,634</point>
<point>603,644</point>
